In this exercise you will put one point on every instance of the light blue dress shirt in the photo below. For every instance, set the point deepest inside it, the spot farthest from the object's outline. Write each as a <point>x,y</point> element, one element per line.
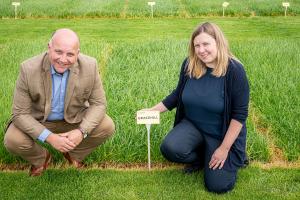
<point>59,86</point>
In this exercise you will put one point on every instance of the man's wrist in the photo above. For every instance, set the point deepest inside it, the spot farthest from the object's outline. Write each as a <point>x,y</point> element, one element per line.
<point>44,135</point>
<point>50,138</point>
<point>83,132</point>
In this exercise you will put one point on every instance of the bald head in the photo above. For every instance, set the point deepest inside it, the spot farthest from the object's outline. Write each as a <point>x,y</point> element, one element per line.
<point>65,34</point>
<point>63,49</point>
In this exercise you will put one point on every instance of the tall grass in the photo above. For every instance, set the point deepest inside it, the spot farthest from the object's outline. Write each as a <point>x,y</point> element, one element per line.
<point>273,68</point>
<point>64,8</point>
<point>140,65</point>
<point>139,8</point>
<point>241,8</point>
<point>136,76</point>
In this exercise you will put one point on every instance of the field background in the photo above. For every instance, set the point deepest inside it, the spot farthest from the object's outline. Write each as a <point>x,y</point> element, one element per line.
<point>140,8</point>
<point>139,63</point>
<point>139,60</point>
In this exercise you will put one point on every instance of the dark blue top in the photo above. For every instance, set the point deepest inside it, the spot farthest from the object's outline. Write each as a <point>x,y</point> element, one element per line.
<point>203,101</point>
<point>236,100</point>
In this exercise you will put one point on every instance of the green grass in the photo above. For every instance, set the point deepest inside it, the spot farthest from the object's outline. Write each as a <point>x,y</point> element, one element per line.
<point>139,8</point>
<point>273,68</point>
<point>240,8</point>
<point>252,183</point>
<point>140,63</point>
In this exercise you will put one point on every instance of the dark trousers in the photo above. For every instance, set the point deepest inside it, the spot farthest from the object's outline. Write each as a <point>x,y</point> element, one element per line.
<point>186,144</point>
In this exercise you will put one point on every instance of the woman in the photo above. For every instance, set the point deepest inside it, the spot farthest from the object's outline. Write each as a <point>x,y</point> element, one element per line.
<point>212,99</point>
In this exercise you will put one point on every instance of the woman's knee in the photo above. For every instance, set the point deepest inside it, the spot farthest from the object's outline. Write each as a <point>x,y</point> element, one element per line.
<point>218,187</point>
<point>220,182</point>
<point>173,152</point>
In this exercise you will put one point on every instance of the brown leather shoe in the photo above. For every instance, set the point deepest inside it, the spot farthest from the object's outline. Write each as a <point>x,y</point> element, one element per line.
<point>73,162</point>
<point>37,171</point>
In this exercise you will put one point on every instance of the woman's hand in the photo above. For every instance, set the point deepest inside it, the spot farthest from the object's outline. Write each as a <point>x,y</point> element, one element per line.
<point>218,158</point>
<point>159,107</point>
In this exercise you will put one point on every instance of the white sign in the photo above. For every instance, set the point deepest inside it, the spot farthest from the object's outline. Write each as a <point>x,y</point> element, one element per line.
<point>147,117</point>
<point>151,3</point>
<point>285,4</point>
<point>15,3</point>
<point>225,4</point>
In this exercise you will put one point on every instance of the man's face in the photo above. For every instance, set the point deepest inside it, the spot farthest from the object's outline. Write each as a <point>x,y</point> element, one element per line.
<point>63,52</point>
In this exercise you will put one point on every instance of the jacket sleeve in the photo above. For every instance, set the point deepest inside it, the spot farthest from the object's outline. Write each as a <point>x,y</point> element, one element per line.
<point>22,105</point>
<point>240,94</point>
<point>171,100</point>
<point>97,104</point>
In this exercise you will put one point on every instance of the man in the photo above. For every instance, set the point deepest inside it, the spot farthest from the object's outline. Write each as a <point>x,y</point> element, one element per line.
<point>58,99</point>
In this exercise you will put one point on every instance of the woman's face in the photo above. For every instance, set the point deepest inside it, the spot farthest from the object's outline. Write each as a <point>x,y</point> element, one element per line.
<point>206,49</point>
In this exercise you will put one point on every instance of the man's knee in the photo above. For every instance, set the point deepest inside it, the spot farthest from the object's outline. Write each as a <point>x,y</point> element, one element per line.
<point>106,128</point>
<point>14,144</point>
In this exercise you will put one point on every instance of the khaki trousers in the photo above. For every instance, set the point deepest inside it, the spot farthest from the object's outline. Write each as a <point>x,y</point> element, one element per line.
<point>21,144</point>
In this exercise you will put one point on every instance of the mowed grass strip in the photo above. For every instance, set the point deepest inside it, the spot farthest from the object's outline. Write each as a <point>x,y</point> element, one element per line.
<point>252,183</point>
<point>142,67</point>
<point>140,8</point>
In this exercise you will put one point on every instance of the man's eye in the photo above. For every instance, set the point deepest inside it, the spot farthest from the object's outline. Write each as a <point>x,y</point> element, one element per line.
<point>58,52</point>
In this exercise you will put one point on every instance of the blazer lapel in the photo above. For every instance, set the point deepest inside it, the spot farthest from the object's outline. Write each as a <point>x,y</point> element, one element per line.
<point>73,77</point>
<point>47,85</point>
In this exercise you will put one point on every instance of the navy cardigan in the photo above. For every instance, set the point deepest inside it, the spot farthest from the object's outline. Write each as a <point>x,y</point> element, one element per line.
<point>236,107</point>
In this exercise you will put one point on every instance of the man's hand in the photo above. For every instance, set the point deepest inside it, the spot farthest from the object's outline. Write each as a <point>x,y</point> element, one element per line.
<point>218,158</point>
<point>60,143</point>
<point>74,136</point>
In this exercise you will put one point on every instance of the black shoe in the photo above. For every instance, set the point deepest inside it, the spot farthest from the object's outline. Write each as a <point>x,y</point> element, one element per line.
<point>246,162</point>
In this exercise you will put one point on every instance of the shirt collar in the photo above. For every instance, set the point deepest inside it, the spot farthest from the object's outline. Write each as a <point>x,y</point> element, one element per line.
<point>54,72</point>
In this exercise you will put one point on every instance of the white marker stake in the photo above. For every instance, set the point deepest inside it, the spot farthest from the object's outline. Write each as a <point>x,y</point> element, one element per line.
<point>286,5</point>
<point>148,126</point>
<point>16,4</point>
<point>148,118</point>
<point>224,5</point>
<point>151,3</point>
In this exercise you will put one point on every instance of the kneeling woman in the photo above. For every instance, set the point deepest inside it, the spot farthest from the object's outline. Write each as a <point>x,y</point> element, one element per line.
<point>211,98</point>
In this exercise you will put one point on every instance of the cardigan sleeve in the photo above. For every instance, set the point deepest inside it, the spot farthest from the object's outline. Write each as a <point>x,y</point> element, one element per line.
<point>171,100</point>
<point>240,94</point>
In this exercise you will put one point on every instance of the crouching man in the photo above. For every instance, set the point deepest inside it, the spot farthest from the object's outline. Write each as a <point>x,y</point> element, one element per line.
<point>58,99</point>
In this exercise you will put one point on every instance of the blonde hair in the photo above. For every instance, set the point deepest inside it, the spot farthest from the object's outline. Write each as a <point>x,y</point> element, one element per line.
<point>196,67</point>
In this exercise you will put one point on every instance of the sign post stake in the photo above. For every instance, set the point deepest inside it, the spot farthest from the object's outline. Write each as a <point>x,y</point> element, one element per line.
<point>16,4</point>
<point>148,117</point>
<point>151,3</point>
<point>148,126</point>
<point>286,5</point>
<point>224,5</point>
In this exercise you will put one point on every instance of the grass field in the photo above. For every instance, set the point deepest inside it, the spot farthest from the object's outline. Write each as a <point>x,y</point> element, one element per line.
<point>140,8</point>
<point>140,64</point>
<point>253,183</point>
